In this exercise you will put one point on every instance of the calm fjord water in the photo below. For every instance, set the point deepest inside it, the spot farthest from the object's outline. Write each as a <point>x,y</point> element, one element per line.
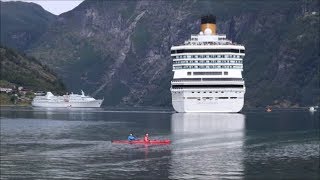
<point>76,144</point>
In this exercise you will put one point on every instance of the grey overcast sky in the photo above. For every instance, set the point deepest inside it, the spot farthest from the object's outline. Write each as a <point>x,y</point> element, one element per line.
<point>55,6</point>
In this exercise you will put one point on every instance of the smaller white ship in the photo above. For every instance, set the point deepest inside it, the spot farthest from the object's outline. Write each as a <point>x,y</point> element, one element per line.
<point>313,108</point>
<point>69,100</point>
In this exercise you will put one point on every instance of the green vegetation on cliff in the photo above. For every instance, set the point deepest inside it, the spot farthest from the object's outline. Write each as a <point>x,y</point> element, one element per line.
<point>20,70</point>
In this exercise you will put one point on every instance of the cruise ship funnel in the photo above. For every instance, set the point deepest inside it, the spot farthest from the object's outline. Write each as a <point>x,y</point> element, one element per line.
<point>208,22</point>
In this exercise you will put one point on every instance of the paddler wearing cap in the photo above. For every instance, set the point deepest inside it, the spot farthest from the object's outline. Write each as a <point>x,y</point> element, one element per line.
<point>131,137</point>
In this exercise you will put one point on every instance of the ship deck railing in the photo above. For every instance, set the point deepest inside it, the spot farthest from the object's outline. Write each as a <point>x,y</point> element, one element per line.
<point>209,43</point>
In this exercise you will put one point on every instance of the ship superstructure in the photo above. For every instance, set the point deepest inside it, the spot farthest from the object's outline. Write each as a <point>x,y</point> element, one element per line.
<point>70,100</point>
<point>208,72</point>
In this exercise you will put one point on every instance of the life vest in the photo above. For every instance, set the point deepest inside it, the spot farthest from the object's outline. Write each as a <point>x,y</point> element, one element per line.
<point>146,138</point>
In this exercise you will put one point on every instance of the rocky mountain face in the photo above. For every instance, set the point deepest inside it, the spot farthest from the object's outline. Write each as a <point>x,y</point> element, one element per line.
<point>120,50</point>
<point>19,70</point>
<point>22,24</point>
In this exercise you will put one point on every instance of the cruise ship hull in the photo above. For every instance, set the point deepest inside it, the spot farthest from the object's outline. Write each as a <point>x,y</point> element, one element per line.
<point>185,101</point>
<point>90,104</point>
<point>203,106</point>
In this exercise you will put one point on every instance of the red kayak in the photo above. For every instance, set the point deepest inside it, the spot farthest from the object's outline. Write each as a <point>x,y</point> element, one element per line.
<point>165,141</point>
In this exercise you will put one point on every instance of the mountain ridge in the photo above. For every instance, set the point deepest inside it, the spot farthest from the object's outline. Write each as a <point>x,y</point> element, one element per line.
<point>23,23</point>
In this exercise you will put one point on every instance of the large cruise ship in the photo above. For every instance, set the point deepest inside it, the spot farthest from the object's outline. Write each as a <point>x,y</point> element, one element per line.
<point>208,72</point>
<point>71,100</point>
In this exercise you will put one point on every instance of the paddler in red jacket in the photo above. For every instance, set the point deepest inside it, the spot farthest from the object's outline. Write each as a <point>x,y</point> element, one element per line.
<point>146,138</point>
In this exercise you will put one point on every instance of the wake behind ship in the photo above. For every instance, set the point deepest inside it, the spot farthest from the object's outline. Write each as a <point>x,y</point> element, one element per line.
<point>208,72</point>
<point>72,100</point>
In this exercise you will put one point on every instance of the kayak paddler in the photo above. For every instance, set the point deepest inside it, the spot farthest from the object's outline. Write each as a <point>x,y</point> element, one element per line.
<point>131,138</point>
<point>146,138</point>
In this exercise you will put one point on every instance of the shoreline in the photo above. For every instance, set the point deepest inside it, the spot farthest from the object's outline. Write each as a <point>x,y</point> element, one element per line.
<point>168,109</point>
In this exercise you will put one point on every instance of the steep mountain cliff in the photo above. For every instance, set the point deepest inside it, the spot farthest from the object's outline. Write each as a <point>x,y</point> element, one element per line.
<point>120,50</point>
<point>23,23</point>
<point>20,70</point>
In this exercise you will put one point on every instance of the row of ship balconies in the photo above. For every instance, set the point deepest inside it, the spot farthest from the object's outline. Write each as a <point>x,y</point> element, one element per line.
<point>208,61</point>
<point>207,56</point>
<point>208,81</point>
<point>196,66</point>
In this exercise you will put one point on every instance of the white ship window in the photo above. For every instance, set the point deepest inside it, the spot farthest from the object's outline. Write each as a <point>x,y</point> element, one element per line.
<point>225,73</point>
<point>210,92</point>
<point>192,98</point>
<point>216,92</point>
<point>198,92</point>
<point>233,97</point>
<point>204,92</point>
<point>192,92</point>
<point>189,73</point>
<point>222,92</point>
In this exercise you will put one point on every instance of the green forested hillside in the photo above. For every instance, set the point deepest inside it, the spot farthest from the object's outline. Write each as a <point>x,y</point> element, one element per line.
<point>20,70</point>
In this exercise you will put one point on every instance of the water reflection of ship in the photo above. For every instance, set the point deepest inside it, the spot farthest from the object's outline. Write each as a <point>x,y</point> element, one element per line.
<point>207,145</point>
<point>206,122</point>
<point>65,114</point>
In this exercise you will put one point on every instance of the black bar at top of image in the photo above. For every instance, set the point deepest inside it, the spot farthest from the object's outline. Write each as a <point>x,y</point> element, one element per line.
<point>208,19</point>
